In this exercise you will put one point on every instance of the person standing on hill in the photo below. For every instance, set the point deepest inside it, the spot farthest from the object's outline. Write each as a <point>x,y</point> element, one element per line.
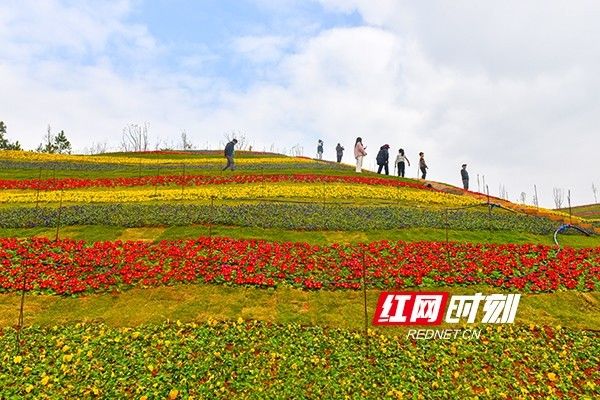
<point>465,176</point>
<point>320,150</point>
<point>401,162</point>
<point>339,150</point>
<point>229,151</point>
<point>383,158</point>
<point>423,165</point>
<point>359,153</point>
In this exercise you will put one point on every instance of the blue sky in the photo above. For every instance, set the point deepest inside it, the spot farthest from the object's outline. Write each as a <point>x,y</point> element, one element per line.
<point>509,88</point>
<point>207,30</point>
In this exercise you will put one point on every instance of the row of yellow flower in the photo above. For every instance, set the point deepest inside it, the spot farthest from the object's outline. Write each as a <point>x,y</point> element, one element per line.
<point>249,191</point>
<point>28,156</point>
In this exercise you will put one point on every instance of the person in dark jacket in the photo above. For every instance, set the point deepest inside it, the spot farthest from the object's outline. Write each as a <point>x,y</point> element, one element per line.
<point>320,150</point>
<point>382,159</point>
<point>229,151</point>
<point>339,150</point>
<point>465,176</point>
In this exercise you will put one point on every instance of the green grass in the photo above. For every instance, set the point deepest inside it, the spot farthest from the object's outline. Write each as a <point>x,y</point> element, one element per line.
<point>590,211</point>
<point>341,309</point>
<point>180,154</point>
<point>100,232</point>
<point>134,172</point>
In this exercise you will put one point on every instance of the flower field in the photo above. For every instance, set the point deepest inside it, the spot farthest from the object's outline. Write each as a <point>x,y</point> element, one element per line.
<point>234,192</point>
<point>198,180</point>
<point>22,156</point>
<point>229,356</point>
<point>313,217</point>
<point>49,168</point>
<point>68,266</point>
<point>245,359</point>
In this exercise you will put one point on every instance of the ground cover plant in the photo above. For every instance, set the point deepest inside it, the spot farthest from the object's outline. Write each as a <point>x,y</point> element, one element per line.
<point>33,170</point>
<point>249,359</point>
<point>308,216</point>
<point>198,180</point>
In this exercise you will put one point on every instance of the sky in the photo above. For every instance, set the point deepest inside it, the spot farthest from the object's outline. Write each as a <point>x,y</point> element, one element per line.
<point>511,88</point>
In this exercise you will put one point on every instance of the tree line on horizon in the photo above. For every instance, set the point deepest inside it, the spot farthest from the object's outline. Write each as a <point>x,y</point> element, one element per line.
<point>51,143</point>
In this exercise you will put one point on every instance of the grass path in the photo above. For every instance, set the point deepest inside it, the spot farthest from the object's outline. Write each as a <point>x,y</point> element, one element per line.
<point>99,232</point>
<point>341,309</point>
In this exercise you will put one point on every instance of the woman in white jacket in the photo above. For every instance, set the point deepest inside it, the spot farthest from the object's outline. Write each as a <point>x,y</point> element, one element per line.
<point>359,153</point>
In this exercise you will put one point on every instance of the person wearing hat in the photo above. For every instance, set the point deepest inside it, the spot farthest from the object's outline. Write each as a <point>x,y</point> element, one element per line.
<point>465,176</point>
<point>382,159</point>
<point>229,150</point>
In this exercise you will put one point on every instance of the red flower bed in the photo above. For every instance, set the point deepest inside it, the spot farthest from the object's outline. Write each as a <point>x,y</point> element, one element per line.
<point>70,266</point>
<point>196,180</point>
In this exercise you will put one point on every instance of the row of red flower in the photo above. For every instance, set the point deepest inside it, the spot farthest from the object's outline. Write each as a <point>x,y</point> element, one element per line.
<point>195,180</point>
<point>69,266</point>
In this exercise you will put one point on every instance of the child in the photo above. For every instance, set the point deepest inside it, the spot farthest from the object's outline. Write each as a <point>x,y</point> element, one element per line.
<point>400,162</point>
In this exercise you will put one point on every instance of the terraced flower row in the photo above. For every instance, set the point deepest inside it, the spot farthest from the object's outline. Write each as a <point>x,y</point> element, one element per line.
<point>245,359</point>
<point>197,180</point>
<point>11,155</point>
<point>248,191</point>
<point>69,266</point>
<point>273,215</point>
<point>48,167</point>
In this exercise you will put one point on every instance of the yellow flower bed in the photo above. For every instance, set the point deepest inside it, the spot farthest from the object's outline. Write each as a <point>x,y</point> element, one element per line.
<point>28,156</point>
<point>249,191</point>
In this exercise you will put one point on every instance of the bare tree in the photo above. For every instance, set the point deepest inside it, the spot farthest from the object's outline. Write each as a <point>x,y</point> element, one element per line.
<point>559,196</point>
<point>503,192</point>
<point>523,197</point>
<point>185,143</point>
<point>165,145</point>
<point>595,191</point>
<point>242,140</point>
<point>135,137</point>
<point>297,150</point>
<point>47,146</point>
<point>96,148</point>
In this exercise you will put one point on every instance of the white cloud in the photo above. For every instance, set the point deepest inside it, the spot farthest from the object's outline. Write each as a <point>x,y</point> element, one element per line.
<point>261,49</point>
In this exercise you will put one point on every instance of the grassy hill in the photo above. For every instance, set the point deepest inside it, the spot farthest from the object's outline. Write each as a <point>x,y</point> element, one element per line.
<point>157,275</point>
<point>590,211</point>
